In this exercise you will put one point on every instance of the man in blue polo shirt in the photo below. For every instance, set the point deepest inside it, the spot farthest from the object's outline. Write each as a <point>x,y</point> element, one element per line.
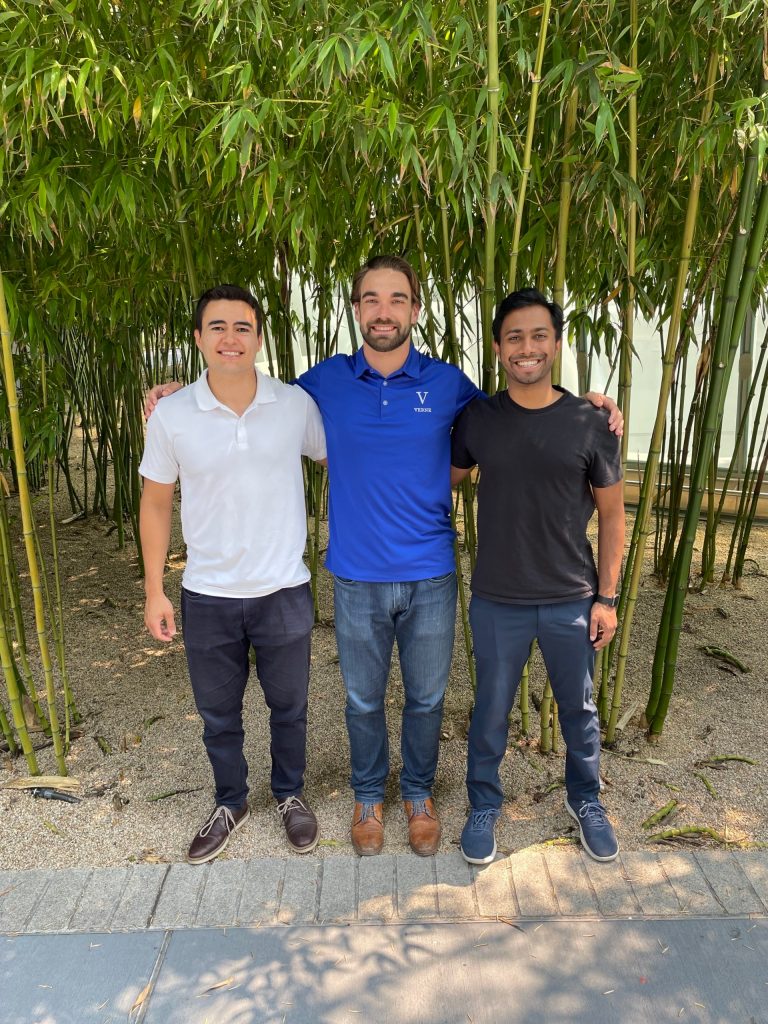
<point>388,412</point>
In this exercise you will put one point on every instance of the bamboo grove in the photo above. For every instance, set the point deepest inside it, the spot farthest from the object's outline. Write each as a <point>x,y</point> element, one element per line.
<point>613,153</point>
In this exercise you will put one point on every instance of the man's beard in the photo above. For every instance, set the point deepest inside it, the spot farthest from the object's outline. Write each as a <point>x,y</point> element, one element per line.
<point>386,343</point>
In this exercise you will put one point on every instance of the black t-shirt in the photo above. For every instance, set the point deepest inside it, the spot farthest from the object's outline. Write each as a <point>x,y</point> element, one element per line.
<point>537,470</point>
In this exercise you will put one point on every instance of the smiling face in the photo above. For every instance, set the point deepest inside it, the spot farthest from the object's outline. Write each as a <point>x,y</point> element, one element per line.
<point>386,310</point>
<point>527,345</point>
<point>229,338</point>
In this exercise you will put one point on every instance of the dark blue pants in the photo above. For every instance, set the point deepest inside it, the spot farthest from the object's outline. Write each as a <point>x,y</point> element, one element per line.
<point>502,636</point>
<point>218,634</point>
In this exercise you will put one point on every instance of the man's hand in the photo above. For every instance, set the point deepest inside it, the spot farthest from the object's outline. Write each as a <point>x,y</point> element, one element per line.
<point>158,618</point>
<point>163,390</point>
<point>602,625</point>
<point>615,420</point>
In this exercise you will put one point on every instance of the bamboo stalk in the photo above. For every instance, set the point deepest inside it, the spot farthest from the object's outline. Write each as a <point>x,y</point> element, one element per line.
<point>492,128</point>
<point>526,166</point>
<point>25,504</point>
<point>737,291</point>
<point>641,529</point>
<point>628,306</point>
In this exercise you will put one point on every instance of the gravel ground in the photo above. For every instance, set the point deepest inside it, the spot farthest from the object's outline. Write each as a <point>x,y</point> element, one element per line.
<point>134,695</point>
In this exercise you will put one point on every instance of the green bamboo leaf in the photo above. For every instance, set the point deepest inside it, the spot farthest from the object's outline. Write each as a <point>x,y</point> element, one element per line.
<point>602,120</point>
<point>364,46</point>
<point>392,119</point>
<point>232,128</point>
<point>386,57</point>
<point>119,76</point>
<point>157,103</point>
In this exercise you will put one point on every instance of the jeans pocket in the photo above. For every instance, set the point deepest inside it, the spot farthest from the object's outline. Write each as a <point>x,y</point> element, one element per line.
<point>346,582</point>
<point>440,579</point>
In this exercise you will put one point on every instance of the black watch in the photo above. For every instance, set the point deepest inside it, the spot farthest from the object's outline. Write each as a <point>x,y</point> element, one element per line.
<point>609,602</point>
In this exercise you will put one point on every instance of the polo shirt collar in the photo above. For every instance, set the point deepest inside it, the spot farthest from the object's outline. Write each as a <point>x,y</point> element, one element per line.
<point>206,400</point>
<point>411,367</point>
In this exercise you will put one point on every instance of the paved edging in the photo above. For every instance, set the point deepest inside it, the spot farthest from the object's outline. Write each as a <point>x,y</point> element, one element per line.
<point>534,883</point>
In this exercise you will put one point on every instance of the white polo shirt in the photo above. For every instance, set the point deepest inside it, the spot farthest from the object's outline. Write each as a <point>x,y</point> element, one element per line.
<point>242,489</point>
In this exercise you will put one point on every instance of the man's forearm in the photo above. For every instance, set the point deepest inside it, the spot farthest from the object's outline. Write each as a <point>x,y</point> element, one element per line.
<point>610,551</point>
<point>155,531</point>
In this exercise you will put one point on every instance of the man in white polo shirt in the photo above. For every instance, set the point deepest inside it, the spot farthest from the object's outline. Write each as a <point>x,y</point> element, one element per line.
<point>235,439</point>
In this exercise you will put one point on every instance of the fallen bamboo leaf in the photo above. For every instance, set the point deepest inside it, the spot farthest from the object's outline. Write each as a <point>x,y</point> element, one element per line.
<point>151,857</point>
<point>713,651</point>
<point>660,815</point>
<point>51,827</point>
<point>30,715</point>
<point>64,782</point>
<point>505,920</point>
<point>710,788</point>
<point>331,842</point>
<point>140,999</point>
<point>622,722</point>
<point>149,722</point>
<point>219,984</point>
<point>103,744</point>
<point>638,760</point>
<point>721,760</point>
<point>172,792</point>
<point>688,833</point>
<point>130,739</point>
<point>539,795</point>
<point>560,841</point>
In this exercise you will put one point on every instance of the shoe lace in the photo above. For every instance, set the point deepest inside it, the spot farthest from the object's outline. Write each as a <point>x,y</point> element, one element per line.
<point>220,812</point>
<point>482,820</point>
<point>368,811</point>
<point>419,807</point>
<point>290,802</point>
<point>593,813</point>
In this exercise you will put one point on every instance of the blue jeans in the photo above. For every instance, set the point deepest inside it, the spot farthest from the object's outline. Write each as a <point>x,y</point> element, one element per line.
<point>420,615</point>
<point>502,636</point>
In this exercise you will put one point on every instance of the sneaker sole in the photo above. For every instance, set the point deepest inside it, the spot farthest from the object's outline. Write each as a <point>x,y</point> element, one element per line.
<point>479,860</point>
<point>584,846</point>
<point>215,853</point>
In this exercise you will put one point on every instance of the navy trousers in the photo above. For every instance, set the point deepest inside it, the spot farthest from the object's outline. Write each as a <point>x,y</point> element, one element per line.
<point>218,635</point>
<point>502,636</point>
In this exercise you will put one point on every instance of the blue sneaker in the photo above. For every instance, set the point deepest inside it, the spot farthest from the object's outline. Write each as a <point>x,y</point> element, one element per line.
<point>478,837</point>
<point>597,835</point>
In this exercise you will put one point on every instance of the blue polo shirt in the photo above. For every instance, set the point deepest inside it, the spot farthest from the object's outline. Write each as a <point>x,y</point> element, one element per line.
<point>389,455</point>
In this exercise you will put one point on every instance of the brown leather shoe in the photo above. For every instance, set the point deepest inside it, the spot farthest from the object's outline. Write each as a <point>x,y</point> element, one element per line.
<point>300,824</point>
<point>214,834</point>
<point>423,826</point>
<point>368,829</point>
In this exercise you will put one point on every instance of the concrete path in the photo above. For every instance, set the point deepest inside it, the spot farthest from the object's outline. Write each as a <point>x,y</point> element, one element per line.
<point>538,936</point>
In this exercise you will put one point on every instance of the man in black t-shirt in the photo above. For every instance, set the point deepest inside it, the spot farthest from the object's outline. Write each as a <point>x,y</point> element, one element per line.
<point>546,462</point>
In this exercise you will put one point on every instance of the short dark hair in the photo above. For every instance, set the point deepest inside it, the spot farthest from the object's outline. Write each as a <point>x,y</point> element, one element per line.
<point>232,293</point>
<point>521,299</point>
<point>385,262</point>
